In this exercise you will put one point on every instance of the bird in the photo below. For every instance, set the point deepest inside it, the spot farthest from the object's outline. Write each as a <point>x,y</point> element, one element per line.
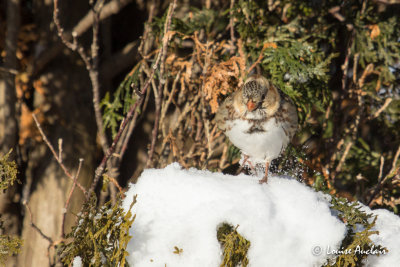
<point>260,120</point>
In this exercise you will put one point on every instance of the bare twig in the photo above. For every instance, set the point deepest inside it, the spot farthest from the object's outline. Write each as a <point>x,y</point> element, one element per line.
<point>111,8</point>
<point>389,175</point>
<point>345,66</point>
<point>343,158</point>
<point>35,226</point>
<point>91,63</point>
<point>381,109</point>
<point>381,169</point>
<point>163,53</point>
<point>69,175</point>
<point>69,197</point>
<point>260,57</point>
<point>231,24</point>
<point>334,11</point>
<point>114,182</point>
<point>143,47</point>
<point>94,78</point>
<point>169,100</point>
<point>60,141</point>
<point>355,67</point>
<point>8,70</point>
<point>60,29</point>
<point>101,168</point>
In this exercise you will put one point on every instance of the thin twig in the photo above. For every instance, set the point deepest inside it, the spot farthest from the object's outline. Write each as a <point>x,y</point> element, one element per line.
<point>260,57</point>
<point>158,103</point>
<point>101,168</point>
<point>69,175</point>
<point>9,70</point>
<point>34,226</point>
<point>113,7</point>
<point>93,69</point>
<point>60,29</point>
<point>382,181</point>
<point>60,141</point>
<point>169,100</point>
<point>147,28</point>
<point>91,63</point>
<point>343,158</point>
<point>381,169</point>
<point>381,109</point>
<point>231,24</point>
<point>69,197</point>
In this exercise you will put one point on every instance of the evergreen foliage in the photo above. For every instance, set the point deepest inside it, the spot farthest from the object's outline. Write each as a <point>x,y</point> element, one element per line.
<point>339,63</point>
<point>8,172</point>
<point>8,246</point>
<point>234,245</point>
<point>359,226</point>
<point>8,175</point>
<point>123,99</point>
<point>101,235</point>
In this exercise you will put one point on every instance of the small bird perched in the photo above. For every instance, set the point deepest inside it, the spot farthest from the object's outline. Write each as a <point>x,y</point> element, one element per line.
<point>259,119</point>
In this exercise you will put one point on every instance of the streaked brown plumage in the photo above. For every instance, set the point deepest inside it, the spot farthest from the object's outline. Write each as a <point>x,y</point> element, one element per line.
<point>259,119</point>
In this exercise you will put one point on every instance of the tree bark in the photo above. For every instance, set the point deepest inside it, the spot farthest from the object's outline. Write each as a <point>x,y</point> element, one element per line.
<point>8,117</point>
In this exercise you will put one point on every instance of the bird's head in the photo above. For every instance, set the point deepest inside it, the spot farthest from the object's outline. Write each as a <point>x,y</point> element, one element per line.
<point>254,91</point>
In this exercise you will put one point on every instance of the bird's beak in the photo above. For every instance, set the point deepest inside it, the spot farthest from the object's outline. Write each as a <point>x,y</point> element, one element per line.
<point>251,105</point>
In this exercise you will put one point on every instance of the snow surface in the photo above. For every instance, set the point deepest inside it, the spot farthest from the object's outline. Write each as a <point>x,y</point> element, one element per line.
<point>388,225</point>
<point>287,223</point>
<point>284,220</point>
<point>77,262</point>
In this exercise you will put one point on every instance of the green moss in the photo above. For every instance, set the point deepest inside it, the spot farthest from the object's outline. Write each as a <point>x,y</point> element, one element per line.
<point>234,245</point>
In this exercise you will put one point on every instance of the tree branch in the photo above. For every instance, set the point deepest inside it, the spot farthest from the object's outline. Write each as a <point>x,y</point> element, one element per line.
<point>158,94</point>
<point>111,8</point>
<point>101,168</point>
<point>59,160</point>
<point>69,197</point>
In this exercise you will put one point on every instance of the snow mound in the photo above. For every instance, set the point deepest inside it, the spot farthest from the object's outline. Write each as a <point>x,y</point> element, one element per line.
<point>388,225</point>
<point>286,222</point>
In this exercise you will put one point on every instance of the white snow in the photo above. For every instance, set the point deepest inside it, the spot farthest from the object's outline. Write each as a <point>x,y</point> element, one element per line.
<point>77,262</point>
<point>388,225</point>
<point>287,223</point>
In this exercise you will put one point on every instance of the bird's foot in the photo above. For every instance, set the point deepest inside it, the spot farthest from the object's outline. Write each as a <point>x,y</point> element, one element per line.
<point>265,178</point>
<point>246,159</point>
<point>246,163</point>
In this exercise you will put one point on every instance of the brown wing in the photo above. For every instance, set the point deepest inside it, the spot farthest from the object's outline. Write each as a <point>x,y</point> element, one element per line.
<point>288,116</point>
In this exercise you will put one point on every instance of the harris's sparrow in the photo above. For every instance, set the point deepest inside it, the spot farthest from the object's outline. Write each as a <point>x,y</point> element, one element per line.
<point>258,119</point>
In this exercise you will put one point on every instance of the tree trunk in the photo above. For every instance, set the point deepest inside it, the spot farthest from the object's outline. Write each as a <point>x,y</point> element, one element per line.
<point>8,118</point>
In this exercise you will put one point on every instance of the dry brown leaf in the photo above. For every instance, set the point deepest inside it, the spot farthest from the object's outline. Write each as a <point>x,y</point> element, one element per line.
<point>271,44</point>
<point>375,31</point>
<point>222,78</point>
